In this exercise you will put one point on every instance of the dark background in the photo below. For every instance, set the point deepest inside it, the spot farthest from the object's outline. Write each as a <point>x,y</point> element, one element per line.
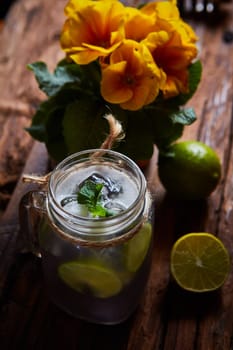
<point>4,6</point>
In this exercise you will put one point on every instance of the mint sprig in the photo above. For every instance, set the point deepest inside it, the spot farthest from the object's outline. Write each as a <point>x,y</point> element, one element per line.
<point>90,196</point>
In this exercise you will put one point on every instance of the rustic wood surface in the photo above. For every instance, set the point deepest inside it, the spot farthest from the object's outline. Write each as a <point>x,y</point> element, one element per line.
<point>167,318</point>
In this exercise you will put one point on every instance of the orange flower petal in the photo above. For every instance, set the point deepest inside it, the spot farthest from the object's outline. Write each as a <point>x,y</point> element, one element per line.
<point>131,79</point>
<point>173,46</point>
<point>138,25</point>
<point>94,26</point>
<point>162,9</point>
<point>112,86</point>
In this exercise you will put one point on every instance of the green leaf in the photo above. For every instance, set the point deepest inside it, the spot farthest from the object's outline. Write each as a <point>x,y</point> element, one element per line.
<point>47,123</point>
<point>86,78</point>
<point>90,196</point>
<point>84,126</point>
<point>55,142</point>
<point>54,105</point>
<point>167,122</point>
<point>195,72</point>
<point>138,141</point>
<point>49,83</point>
<point>163,129</point>
<point>38,132</point>
<point>184,117</point>
<point>89,193</point>
<point>38,128</point>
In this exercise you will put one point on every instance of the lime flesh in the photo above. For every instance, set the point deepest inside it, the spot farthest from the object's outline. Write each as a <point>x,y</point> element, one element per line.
<point>199,262</point>
<point>137,247</point>
<point>88,276</point>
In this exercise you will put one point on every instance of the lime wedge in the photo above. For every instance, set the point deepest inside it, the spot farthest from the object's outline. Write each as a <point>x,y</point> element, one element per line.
<point>199,262</point>
<point>137,247</point>
<point>83,276</point>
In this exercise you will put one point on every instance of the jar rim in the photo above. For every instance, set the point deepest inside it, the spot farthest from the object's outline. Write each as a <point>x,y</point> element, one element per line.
<point>84,156</point>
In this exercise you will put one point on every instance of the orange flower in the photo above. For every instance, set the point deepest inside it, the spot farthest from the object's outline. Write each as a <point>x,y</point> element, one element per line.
<point>93,29</point>
<point>132,79</point>
<point>172,46</point>
<point>137,24</point>
<point>162,9</point>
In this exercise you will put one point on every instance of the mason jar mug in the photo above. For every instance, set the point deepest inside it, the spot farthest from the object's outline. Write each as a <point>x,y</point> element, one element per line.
<point>93,233</point>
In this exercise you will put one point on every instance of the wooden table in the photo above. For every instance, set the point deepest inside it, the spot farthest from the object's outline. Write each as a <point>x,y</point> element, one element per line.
<point>167,317</point>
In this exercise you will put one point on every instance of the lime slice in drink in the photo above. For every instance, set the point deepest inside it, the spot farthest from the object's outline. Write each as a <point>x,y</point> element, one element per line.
<point>137,247</point>
<point>199,262</point>
<point>91,277</point>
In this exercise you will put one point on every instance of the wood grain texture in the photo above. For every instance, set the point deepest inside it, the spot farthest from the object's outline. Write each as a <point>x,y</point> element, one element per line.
<point>182,320</point>
<point>33,37</point>
<point>167,317</point>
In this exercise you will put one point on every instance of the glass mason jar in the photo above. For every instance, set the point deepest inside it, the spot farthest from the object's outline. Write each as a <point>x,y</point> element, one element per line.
<point>95,268</point>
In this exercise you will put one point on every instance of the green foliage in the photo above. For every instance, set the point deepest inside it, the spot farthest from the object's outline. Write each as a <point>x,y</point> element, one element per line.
<point>84,79</point>
<point>138,141</point>
<point>167,124</point>
<point>71,119</point>
<point>90,196</point>
<point>83,125</point>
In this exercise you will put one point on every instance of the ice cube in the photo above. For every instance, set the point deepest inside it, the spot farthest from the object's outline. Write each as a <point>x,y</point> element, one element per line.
<point>67,200</point>
<point>111,187</point>
<point>71,205</point>
<point>115,207</point>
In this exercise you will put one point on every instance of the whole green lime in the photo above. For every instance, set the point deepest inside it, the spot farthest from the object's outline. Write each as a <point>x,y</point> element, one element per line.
<point>189,170</point>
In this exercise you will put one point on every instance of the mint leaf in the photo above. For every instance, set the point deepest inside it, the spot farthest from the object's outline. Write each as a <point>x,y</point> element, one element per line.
<point>100,211</point>
<point>90,195</point>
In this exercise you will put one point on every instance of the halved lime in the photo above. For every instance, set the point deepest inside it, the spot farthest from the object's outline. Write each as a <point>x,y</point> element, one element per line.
<point>199,262</point>
<point>91,277</point>
<point>137,247</point>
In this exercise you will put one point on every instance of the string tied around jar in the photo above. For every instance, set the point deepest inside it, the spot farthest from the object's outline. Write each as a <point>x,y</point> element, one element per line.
<point>115,135</point>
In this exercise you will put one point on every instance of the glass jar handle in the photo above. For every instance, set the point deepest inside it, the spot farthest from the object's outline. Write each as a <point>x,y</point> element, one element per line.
<point>32,207</point>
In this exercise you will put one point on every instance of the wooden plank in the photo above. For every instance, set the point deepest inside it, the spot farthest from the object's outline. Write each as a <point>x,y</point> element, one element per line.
<point>9,222</point>
<point>33,37</point>
<point>167,318</point>
<point>170,318</point>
